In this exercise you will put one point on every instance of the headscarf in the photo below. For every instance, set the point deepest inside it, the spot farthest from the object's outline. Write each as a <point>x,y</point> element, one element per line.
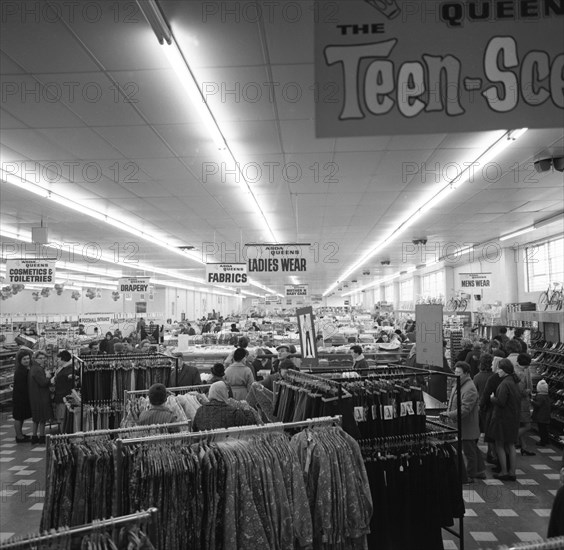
<point>219,391</point>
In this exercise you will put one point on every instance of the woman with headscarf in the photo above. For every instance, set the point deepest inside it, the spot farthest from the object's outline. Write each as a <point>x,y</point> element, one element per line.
<point>504,424</point>
<point>20,394</point>
<point>40,396</point>
<point>218,413</point>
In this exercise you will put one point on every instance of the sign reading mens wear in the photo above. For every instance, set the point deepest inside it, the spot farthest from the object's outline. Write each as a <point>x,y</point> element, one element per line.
<point>475,280</point>
<point>230,274</point>
<point>30,271</point>
<point>295,291</point>
<point>401,67</point>
<point>134,285</point>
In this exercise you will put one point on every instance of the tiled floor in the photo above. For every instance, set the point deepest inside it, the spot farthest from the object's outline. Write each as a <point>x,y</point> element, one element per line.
<point>496,512</point>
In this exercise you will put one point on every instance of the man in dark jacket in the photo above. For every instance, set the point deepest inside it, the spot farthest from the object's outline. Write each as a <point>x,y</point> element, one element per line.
<point>64,383</point>
<point>186,375</point>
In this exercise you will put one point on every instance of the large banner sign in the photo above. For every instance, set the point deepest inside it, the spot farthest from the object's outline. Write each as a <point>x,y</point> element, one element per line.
<point>230,274</point>
<point>475,280</point>
<point>30,271</point>
<point>405,67</point>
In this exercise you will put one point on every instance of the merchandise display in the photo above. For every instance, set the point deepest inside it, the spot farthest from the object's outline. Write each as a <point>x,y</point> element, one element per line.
<point>281,275</point>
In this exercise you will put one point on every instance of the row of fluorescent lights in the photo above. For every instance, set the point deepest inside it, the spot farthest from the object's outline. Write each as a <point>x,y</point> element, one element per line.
<point>536,225</point>
<point>181,68</point>
<point>501,143</point>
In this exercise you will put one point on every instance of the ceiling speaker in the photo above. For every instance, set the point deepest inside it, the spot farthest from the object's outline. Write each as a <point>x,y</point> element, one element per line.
<point>558,163</point>
<point>543,165</point>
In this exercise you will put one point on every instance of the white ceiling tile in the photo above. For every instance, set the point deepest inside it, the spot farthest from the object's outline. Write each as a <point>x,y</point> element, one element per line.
<point>135,141</point>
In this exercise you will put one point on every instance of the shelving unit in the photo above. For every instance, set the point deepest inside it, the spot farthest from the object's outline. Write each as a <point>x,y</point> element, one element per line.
<point>7,365</point>
<point>550,366</point>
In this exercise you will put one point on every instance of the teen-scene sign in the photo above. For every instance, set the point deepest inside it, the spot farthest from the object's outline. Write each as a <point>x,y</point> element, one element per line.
<point>405,66</point>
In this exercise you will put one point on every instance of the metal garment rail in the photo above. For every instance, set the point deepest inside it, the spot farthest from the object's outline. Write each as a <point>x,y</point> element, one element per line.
<point>227,432</point>
<point>150,514</point>
<point>400,372</point>
<point>556,543</point>
<point>84,363</point>
<point>127,394</point>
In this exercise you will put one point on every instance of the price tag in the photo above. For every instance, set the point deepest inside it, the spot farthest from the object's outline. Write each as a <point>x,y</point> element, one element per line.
<point>403,409</point>
<point>388,412</point>
<point>360,414</point>
<point>421,408</point>
<point>374,411</point>
<point>409,407</point>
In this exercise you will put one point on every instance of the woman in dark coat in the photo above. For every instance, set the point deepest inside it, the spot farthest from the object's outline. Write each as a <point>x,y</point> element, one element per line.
<point>20,394</point>
<point>504,425</point>
<point>39,396</point>
<point>107,344</point>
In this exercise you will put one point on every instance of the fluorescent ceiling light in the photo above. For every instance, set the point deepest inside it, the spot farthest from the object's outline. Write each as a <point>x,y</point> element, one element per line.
<point>516,233</point>
<point>547,221</point>
<point>490,152</point>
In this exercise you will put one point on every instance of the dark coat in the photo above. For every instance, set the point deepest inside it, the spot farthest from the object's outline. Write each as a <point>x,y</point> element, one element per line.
<point>20,394</point>
<point>486,406</point>
<point>64,383</point>
<point>39,394</point>
<point>556,521</point>
<point>504,425</point>
<point>217,414</point>
<point>188,375</point>
<point>541,408</point>
<point>480,381</point>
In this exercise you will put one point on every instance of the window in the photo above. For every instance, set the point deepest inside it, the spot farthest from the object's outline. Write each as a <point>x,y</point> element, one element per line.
<point>433,284</point>
<point>389,293</point>
<point>406,294</point>
<point>544,264</point>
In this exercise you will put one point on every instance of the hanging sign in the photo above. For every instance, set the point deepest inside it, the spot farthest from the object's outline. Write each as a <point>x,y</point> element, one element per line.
<point>134,285</point>
<point>272,258</point>
<point>230,274</point>
<point>33,271</point>
<point>272,299</point>
<point>475,280</point>
<point>295,291</point>
<point>401,67</point>
<point>316,298</point>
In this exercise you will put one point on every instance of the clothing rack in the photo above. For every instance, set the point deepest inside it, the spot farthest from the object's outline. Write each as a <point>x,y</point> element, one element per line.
<point>150,514</point>
<point>221,433</point>
<point>95,362</point>
<point>556,543</point>
<point>202,388</point>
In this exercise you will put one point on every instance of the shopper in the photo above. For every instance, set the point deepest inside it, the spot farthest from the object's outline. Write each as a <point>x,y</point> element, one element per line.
<point>503,338</point>
<point>505,420</point>
<point>63,379</point>
<point>495,349</point>
<point>243,343</point>
<point>234,328</point>
<point>158,412</point>
<point>21,407</point>
<point>486,410</point>
<point>218,373</point>
<point>383,338</point>
<point>473,358</point>
<point>278,373</point>
<point>107,344</point>
<point>39,396</point>
<point>466,344</point>
<point>518,337</point>
<point>481,383</point>
<point>283,352</point>
<point>526,386</point>
<point>359,362</point>
<point>239,376</point>
<point>218,413</point>
<point>469,419</point>
<point>542,403</point>
<point>185,374</point>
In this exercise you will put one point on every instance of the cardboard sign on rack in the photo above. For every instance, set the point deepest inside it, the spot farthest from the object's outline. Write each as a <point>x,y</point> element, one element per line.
<point>308,344</point>
<point>429,334</point>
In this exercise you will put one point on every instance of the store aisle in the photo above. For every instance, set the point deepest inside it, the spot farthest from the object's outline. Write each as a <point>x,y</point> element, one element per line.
<point>22,477</point>
<point>500,512</point>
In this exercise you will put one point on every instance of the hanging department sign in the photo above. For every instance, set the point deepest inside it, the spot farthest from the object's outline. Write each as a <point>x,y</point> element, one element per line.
<point>231,274</point>
<point>30,271</point>
<point>272,258</point>
<point>295,291</point>
<point>404,67</point>
<point>135,286</point>
<point>475,280</point>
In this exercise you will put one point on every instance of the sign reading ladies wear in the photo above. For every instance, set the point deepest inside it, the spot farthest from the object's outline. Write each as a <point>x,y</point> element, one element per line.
<point>272,258</point>
<point>475,280</point>
<point>230,274</point>
<point>295,291</point>
<point>405,67</point>
<point>30,271</point>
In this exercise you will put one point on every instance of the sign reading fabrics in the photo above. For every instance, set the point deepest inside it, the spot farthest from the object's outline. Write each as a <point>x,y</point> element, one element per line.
<point>231,274</point>
<point>402,67</point>
<point>272,258</point>
<point>475,280</point>
<point>30,271</point>
<point>295,291</point>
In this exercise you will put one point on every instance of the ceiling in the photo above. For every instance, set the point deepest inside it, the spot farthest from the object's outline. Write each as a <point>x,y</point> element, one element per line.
<point>92,107</point>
